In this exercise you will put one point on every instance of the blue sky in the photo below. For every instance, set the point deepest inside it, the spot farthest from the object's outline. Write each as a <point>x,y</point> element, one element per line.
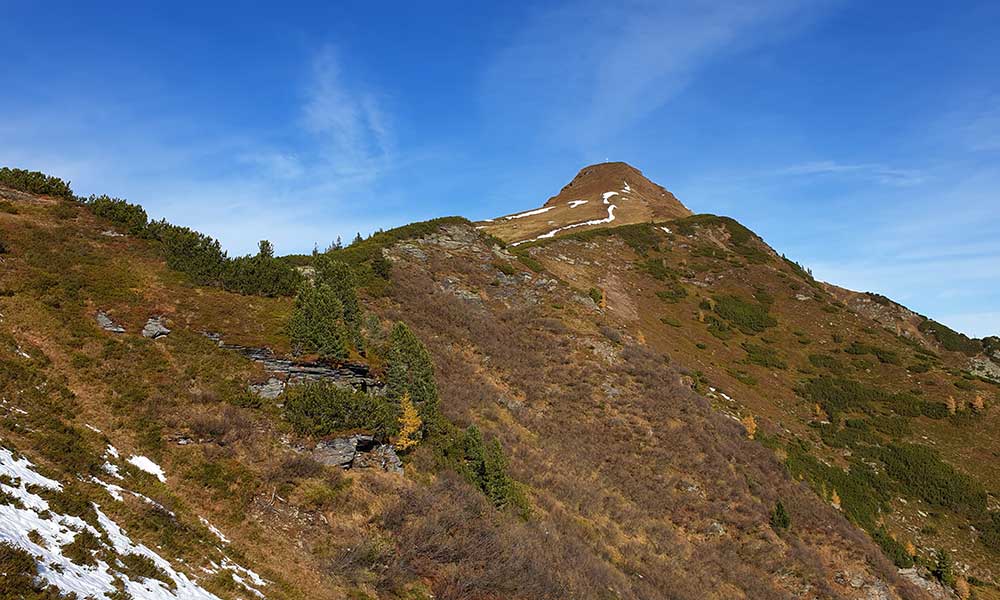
<point>859,138</point>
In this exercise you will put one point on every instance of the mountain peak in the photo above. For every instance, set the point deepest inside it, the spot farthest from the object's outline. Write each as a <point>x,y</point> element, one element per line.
<point>601,195</point>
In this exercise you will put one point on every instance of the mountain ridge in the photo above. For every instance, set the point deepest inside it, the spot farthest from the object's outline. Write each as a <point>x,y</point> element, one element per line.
<point>657,389</point>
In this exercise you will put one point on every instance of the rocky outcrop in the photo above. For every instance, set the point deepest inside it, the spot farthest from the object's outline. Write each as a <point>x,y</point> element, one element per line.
<point>268,390</point>
<point>155,328</point>
<point>357,451</point>
<point>286,371</point>
<point>933,588</point>
<point>985,368</point>
<point>105,323</point>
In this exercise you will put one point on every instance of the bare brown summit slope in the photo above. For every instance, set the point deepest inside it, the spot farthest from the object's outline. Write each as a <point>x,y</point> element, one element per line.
<point>601,195</point>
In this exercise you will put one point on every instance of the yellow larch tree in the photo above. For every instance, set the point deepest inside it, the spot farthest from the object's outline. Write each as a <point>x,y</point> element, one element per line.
<point>750,424</point>
<point>409,424</point>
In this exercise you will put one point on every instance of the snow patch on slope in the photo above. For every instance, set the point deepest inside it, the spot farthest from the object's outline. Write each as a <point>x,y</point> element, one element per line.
<point>30,512</point>
<point>537,211</point>
<point>144,464</point>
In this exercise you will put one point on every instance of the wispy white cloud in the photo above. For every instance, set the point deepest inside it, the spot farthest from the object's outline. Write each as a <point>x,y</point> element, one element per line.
<point>588,69</point>
<point>872,171</point>
<point>353,132</point>
<point>293,181</point>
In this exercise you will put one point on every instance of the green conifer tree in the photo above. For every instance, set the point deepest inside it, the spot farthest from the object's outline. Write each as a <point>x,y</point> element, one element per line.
<point>779,517</point>
<point>339,276</point>
<point>497,483</point>
<point>411,371</point>
<point>316,324</point>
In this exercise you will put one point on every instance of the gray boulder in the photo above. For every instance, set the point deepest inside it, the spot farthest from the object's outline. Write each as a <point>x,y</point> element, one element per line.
<point>155,328</point>
<point>105,323</point>
<point>341,452</point>
<point>358,452</point>
<point>382,457</point>
<point>269,390</point>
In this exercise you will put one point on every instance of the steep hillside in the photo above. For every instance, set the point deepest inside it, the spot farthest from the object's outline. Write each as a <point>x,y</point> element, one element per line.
<point>890,416</point>
<point>600,195</point>
<point>630,412</point>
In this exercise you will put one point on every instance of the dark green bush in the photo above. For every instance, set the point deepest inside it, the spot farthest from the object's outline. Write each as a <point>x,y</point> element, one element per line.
<point>143,567</point>
<point>825,361</point>
<point>529,261</point>
<point>764,356</point>
<point>130,217</point>
<point>893,549</point>
<point>951,339</point>
<point>322,408</point>
<point>837,395</point>
<point>260,275</point>
<point>883,355</point>
<point>922,474</point>
<point>35,182</point>
<point>748,317</point>
<point>19,571</point>
<point>674,292</point>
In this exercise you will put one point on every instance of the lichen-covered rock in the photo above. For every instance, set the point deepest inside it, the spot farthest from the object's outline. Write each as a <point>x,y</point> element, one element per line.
<point>105,323</point>
<point>341,452</point>
<point>382,457</point>
<point>155,328</point>
<point>985,368</point>
<point>268,390</point>
<point>358,452</point>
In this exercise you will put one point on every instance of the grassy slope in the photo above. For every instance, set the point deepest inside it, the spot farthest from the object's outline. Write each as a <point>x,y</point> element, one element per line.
<point>145,395</point>
<point>631,476</point>
<point>811,320</point>
<point>617,452</point>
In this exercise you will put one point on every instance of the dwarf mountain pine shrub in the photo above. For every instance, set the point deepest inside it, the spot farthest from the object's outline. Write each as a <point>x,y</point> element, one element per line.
<point>35,182</point>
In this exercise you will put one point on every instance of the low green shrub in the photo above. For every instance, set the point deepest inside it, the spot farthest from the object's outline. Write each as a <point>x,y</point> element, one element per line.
<point>748,317</point>
<point>951,339</point>
<point>35,182</point>
<point>764,356</point>
<point>322,408</point>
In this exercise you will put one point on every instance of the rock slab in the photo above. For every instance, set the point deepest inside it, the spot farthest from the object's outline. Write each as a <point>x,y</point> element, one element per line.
<point>155,328</point>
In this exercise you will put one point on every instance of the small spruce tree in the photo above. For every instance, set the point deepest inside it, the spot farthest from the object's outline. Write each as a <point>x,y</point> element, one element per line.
<point>475,454</point>
<point>944,569</point>
<point>779,517</point>
<point>411,371</point>
<point>338,275</point>
<point>316,324</point>
<point>497,483</point>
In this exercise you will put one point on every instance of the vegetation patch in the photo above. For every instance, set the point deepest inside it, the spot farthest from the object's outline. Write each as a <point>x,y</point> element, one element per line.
<point>764,356</point>
<point>749,317</point>
<point>883,355</point>
<point>951,339</point>
<point>35,182</point>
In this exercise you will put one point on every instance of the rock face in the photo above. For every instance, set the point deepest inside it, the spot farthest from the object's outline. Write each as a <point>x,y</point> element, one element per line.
<point>357,451</point>
<point>105,322</point>
<point>933,588</point>
<point>155,328</point>
<point>985,368</point>
<point>289,372</point>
